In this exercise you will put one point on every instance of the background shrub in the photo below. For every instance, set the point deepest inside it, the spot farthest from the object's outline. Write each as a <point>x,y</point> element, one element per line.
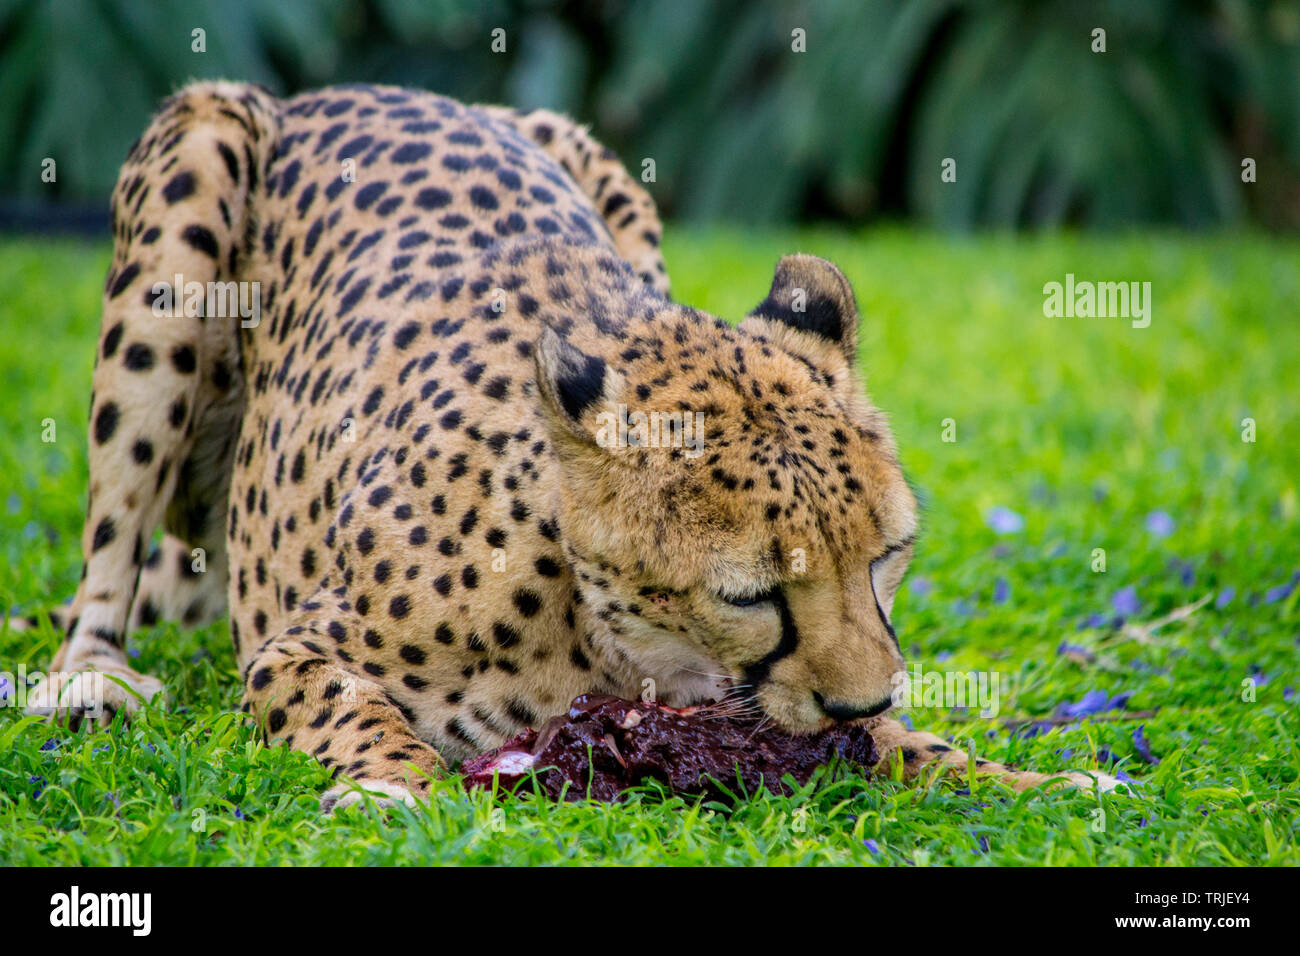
<point>1045,131</point>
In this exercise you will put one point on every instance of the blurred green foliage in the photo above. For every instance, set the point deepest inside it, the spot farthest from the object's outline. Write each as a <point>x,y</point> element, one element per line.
<point>1045,131</point>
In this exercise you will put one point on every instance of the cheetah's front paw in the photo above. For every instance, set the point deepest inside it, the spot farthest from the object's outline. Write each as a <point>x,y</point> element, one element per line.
<point>384,794</point>
<point>1092,780</point>
<point>92,694</point>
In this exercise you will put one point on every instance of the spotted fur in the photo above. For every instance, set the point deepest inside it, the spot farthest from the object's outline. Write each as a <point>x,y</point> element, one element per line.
<point>398,475</point>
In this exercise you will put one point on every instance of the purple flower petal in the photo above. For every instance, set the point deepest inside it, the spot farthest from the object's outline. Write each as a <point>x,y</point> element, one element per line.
<point>1093,702</point>
<point>1279,593</point>
<point>1125,602</point>
<point>1225,597</point>
<point>1035,729</point>
<point>1160,524</point>
<point>1004,520</point>
<point>51,744</point>
<point>1288,692</point>
<point>1093,621</point>
<point>872,845</point>
<point>1143,746</point>
<point>921,587</point>
<point>1119,701</point>
<point>1001,591</point>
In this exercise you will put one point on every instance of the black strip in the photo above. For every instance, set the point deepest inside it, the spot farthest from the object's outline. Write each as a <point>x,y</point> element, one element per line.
<point>759,671</point>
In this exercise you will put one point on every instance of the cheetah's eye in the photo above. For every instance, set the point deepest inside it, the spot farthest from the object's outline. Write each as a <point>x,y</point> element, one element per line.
<point>748,600</point>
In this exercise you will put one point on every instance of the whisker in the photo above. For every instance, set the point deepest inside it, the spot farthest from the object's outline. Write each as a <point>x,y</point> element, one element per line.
<point>761,724</point>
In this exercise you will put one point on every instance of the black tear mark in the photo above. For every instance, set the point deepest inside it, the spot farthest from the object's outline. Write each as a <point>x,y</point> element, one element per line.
<point>759,671</point>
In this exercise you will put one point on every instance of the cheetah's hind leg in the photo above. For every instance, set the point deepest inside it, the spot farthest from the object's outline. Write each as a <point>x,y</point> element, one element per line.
<point>626,206</point>
<point>165,393</point>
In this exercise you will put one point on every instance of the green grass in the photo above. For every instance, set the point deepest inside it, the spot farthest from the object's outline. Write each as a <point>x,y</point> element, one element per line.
<point>1082,426</point>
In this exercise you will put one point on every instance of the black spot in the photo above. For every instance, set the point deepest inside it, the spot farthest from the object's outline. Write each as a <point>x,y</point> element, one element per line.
<point>105,532</point>
<point>138,357</point>
<point>410,153</point>
<point>181,186</point>
<point>124,279</point>
<point>432,198</point>
<point>202,239</point>
<point>367,195</point>
<point>276,720</point>
<point>142,451</point>
<point>183,359</point>
<point>228,157</point>
<point>528,602</point>
<point>106,421</point>
<point>483,198</point>
<point>112,339</point>
<point>504,635</point>
<point>403,337</point>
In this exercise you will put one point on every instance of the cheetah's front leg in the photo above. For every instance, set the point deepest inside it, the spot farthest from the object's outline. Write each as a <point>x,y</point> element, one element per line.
<point>919,750</point>
<point>300,694</point>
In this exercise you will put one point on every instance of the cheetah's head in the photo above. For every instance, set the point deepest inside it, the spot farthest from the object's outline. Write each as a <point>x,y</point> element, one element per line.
<point>761,541</point>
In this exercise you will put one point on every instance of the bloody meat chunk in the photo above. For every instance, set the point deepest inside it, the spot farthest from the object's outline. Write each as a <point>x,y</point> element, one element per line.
<point>606,744</point>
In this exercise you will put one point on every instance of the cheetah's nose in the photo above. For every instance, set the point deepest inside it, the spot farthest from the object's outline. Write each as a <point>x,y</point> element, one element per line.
<point>837,710</point>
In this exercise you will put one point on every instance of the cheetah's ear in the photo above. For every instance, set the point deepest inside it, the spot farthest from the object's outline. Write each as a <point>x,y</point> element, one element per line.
<point>571,382</point>
<point>811,295</point>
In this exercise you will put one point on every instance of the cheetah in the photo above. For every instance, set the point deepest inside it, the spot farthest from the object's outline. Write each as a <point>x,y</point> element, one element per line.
<point>400,473</point>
